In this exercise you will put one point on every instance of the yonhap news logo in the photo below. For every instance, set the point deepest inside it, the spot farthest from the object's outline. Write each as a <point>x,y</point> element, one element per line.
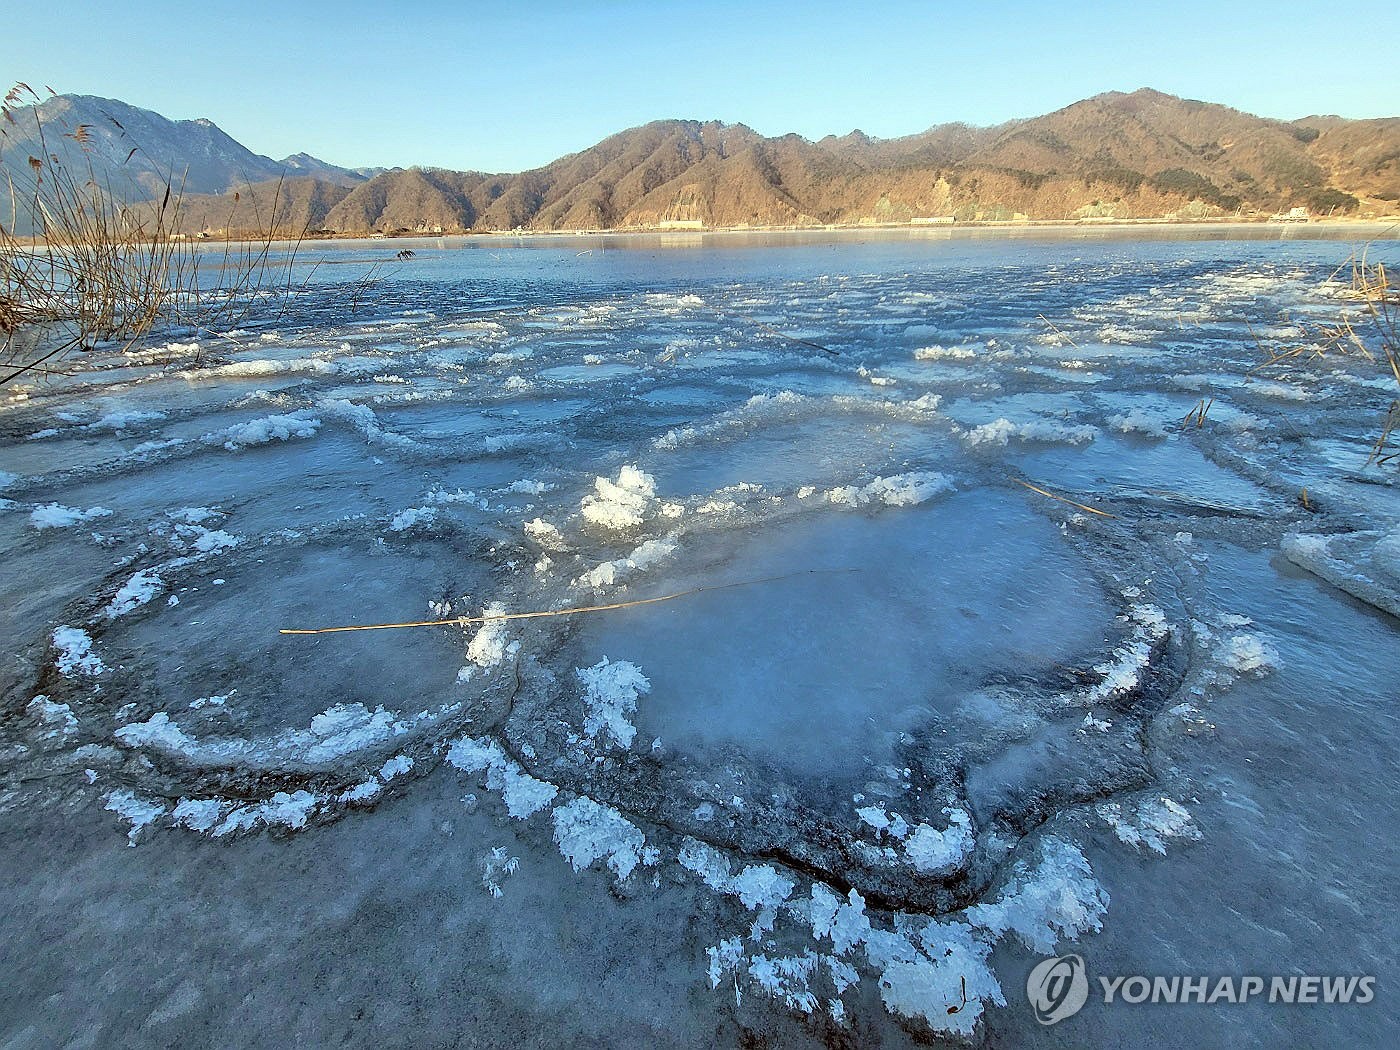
<point>1059,988</point>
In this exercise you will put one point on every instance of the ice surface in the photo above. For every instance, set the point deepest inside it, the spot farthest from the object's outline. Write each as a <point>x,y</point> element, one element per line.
<point>944,691</point>
<point>1365,564</point>
<point>223,628</point>
<point>879,625</point>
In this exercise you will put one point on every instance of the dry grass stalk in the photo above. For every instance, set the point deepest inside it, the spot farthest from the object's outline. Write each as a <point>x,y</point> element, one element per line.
<point>1055,328</point>
<point>1198,414</point>
<point>1375,340</point>
<point>464,621</point>
<point>1062,499</point>
<point>793,338</point>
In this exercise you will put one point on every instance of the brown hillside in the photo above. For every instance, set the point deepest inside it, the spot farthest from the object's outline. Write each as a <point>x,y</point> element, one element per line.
<point>1138,155</point>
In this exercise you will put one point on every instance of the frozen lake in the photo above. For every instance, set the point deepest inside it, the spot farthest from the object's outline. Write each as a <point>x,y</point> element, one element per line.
<point>967,600</point>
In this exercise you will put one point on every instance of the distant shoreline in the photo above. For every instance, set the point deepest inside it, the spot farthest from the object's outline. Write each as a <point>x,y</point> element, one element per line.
<point>1387,228</point>
<point>1328,229</point>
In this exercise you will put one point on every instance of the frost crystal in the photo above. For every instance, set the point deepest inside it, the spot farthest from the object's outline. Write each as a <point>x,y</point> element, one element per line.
<point>1057,898</point>
<point>523,794</point>
<point>1151,823</point>
<point>586,831</point>
<point>291,810</point>
<point>397,765</point>
<point>136,811</point>
<point>610,696</point>
<point>941,851</point>
<point>198,814</point>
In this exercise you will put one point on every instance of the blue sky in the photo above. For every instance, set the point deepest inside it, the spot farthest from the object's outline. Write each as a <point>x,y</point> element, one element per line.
<point>501,87</point>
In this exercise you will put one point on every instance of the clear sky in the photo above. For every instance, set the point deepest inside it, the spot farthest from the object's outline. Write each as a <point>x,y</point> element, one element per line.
<point>504,87</point>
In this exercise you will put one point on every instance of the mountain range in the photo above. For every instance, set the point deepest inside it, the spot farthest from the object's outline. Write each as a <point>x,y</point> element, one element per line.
<point>1143,154</point>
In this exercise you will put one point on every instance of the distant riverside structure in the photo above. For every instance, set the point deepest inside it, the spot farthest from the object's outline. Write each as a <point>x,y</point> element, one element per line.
<point>1292,215</point>
<point>931,220</point>
<point>681,224</point>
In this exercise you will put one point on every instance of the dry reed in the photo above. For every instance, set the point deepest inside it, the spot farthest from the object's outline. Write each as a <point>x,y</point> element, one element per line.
<point>463,621</point>
<point>104,262</point>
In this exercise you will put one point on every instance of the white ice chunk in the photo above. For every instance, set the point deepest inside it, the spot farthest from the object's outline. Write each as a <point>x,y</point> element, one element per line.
<point>621,504</point>
<point>1059,897</point>
<point>1248,653</point>
<point>198,814</point>
<point>490,646</point>
<point>944,980</point>
<point>642,558</point>
<point>787,979</point>
<point>394,767</point>
<point>932,850</point>
<point>75,655</point>
<point>610,696</point>
<point>761,886</point>
<point>136,811</point>
<point>289,427</point>
<point>57,516</point>
<point>546,535</point>
<point>586,831</point>
<point>412,518</point>
<point>1001,431</point>
<point>134,593</point>
<point>899,490</point>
